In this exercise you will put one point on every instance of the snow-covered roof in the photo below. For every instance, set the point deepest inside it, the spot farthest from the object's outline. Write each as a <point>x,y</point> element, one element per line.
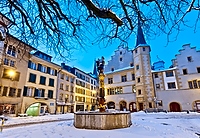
<point>121,69</point>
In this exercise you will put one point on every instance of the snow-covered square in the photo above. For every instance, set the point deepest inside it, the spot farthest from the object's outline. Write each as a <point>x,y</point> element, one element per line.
<point>144,125</point>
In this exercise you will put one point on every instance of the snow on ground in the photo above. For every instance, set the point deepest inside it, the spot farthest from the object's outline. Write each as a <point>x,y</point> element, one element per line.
<point>150,125</point>
<point>20,120</point>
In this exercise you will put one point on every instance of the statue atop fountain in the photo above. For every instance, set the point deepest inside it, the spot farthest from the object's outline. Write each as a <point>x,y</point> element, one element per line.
<point>100,66</point>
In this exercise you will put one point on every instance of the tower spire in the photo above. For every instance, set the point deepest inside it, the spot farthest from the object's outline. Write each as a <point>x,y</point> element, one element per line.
<point>95,69</point>
<point>140,35</point>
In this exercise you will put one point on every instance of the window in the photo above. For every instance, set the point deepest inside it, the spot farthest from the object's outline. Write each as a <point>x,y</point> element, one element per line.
<point>120,52</point>
<point>50,94</point>
<point>29,92</point>
<point>120,59</point>
<point>67,78</point>
<point>87,79</point>
<point>198,69</point>
<point>189,59</point>
<point>32,65</point>
<point>123,78</point>
<point>185,71</point>
<point>156,75</point>
<point>72,80</point>
<point>111,91</point>
<point>12,92</point>
<point>61,86</point>
<point>138,80</point>
<point>19,93</point>
<point>67,88</point>
<point>143,49</point>
<point>62,76</point>
<point>157,86</point>
<point>136,51</point>
<point>112,69</point>
<point>51,82</point>
<point>139,92</point>
<point>190,84</point>
<point>39,92</point>
<point>12,63</point>
<point>42,80</point>
<point>133,76</point>
<point>32,78</point>
<point>6,61</point>
<point>171,85</point>
<point>91,81</point>
<point>5,90</point>
<point>52,71</point>
<point>110,80</point>
<point>137,67</point>
<point>195,83</point>
<point>39,67</point>
<point>118,90</point>
<point>131,64</point>
<point>43,69</point>
<point>11,51</point>
<point>133,89</point>
<point>198,83</point>
<point>169,74</point>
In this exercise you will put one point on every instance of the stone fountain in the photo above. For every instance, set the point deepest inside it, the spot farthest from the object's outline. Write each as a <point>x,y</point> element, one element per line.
<point>102,119</point>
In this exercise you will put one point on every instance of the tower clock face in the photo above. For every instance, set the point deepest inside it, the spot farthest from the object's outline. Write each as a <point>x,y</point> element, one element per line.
<point>2,33</point>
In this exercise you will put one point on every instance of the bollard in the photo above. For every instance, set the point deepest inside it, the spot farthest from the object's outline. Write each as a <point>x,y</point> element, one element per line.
<point>2,123</point>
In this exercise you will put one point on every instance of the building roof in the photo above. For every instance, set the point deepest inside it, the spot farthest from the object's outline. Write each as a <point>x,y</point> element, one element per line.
<point>140,36</point>
<point>5,21</point>
<point>17,39</point>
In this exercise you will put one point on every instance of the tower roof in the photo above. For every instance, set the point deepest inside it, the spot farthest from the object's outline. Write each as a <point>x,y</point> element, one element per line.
<point>95,69</point>
<point>140,35</point>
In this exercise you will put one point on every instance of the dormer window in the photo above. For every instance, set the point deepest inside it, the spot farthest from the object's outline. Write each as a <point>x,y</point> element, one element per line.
<point>189,59</point>
<point>136,51</point>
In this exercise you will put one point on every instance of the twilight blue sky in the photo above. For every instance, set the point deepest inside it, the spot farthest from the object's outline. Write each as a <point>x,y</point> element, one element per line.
<point>85,59</point>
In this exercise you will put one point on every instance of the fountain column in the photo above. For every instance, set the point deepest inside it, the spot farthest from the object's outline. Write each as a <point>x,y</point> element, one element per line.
<point>100,66</point>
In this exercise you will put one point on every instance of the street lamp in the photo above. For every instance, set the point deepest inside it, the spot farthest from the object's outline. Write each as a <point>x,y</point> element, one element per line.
<point>11,74</point>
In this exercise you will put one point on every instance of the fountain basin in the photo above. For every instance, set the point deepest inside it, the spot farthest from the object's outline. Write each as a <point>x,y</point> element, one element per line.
<point>102,120</point>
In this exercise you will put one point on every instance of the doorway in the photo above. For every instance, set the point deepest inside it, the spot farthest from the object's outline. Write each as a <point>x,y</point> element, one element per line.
<point>175,107</point>
<point>141,106</point>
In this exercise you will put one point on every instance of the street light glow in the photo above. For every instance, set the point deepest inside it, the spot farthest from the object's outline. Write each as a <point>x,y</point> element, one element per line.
<point>11,73</point>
